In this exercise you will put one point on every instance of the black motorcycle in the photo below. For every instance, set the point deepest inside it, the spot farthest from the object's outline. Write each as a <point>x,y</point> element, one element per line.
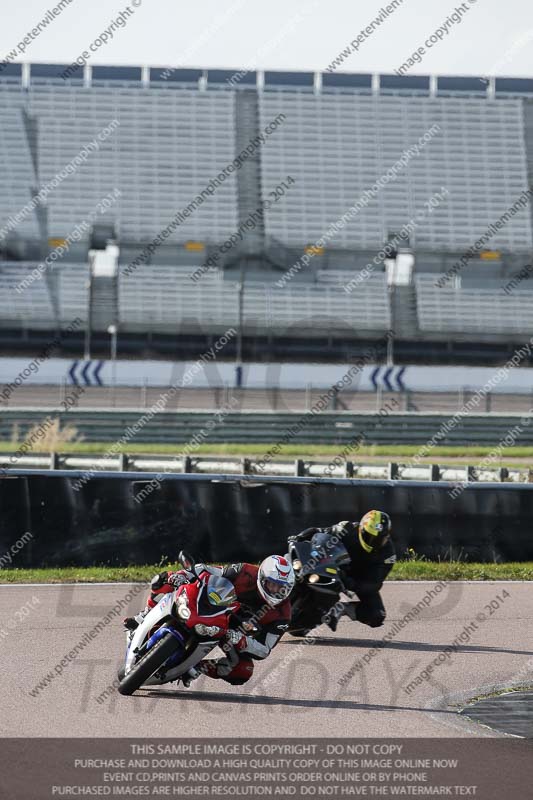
<point>317,564</point>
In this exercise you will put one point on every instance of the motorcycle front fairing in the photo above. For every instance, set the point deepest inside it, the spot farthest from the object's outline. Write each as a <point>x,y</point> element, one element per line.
<point>318,567</point>
<point>322,557</point>
<point>164,615</point>
<point>157,617</point>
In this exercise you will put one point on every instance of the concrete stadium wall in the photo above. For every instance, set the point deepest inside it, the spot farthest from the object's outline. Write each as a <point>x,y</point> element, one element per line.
<point>222,518</point>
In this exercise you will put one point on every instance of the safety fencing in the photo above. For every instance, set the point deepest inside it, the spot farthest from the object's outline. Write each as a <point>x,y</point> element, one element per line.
<point>312,427</point>
<point>337,466</point>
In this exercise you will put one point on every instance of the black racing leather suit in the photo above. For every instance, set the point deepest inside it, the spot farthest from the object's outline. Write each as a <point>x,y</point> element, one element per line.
<point>364,575</point>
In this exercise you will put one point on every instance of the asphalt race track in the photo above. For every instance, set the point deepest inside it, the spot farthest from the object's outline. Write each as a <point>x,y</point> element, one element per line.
<point>296,692</point>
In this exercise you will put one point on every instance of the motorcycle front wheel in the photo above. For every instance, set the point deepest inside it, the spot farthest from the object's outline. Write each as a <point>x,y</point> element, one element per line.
<point>148,664</point>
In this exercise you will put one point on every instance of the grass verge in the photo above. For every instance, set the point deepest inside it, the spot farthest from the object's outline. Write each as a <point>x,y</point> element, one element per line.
<point>403,571</point>
<point>441,454</point>
<point>525,687</point>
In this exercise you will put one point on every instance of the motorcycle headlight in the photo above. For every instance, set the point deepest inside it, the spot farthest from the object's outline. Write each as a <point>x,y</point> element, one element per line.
<point>314,578</point>
<point>207,630</point>
<point>297,565</point>
<point>184,611</point>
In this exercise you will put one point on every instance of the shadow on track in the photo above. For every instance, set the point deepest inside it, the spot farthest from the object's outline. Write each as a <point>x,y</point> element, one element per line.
<point>396,644</point>
<point>267,700</point>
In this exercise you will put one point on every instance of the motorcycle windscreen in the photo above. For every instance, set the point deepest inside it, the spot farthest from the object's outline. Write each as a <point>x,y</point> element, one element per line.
<point>220,592</point>
<point>328,550</point>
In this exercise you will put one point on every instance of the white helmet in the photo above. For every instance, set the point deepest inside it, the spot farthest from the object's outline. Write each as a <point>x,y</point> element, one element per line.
<point>275,579</point>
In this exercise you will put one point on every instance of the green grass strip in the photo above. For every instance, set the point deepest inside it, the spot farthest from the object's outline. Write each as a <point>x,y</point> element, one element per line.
<point>418,570</point>
<point>385,452</point>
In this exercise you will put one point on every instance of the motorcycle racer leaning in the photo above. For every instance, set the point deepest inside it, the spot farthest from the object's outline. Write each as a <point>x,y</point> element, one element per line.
<point>263,593</point>
<point>372,555</point>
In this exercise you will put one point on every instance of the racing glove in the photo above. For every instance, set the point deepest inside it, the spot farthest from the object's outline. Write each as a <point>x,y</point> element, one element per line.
<point>174,579</point>
<point>341,527</point>
<point>303,535</point>
<point>236,639</point>
<point>235,644</point>
<point>177,579</point>
<point>238,643</point>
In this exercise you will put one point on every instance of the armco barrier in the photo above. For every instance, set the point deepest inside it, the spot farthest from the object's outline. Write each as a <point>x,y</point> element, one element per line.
<point>232,518</point>
<point>328,427</point>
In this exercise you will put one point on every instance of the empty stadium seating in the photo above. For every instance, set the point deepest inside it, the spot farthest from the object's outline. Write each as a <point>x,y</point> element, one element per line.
<point>161,156</point>
<point>158,298</point>
<point>72,292</point>
<point>476,311</point>
<point>337,146</point>
<point>53,300</point>
<point>336,139</point>
<point>164,299</point>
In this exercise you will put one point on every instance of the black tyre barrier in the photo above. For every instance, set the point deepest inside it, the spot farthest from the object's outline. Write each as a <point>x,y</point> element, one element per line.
<point>109,519</point>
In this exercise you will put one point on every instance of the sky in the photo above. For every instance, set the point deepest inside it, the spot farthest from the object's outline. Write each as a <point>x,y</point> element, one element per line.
<point>484,37</point>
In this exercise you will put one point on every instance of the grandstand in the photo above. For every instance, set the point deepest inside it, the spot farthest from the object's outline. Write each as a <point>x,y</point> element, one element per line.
<point>156,139</point>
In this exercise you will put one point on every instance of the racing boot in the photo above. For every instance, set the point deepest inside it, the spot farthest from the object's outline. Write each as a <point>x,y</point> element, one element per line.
<point>332,619</point>
<point>350,609</point>
<point>203,668</point>
<point>188,677</point>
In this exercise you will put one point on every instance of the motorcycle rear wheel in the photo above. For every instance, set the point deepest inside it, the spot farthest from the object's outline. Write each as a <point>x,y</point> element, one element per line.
<point>148,664</point>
